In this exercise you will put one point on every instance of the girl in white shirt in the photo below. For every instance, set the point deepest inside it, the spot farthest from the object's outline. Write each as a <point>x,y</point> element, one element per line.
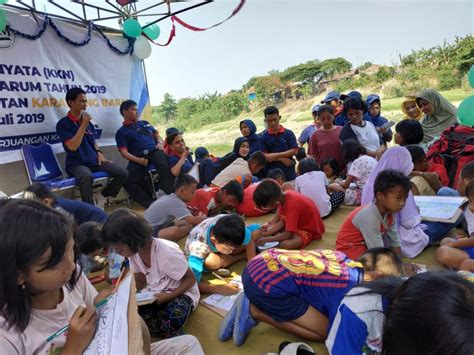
<point>159,266</point>
<point>312,182</point>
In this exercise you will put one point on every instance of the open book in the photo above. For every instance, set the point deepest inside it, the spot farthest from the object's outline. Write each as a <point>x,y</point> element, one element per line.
<point>222,304</point>
<point>440,208</point>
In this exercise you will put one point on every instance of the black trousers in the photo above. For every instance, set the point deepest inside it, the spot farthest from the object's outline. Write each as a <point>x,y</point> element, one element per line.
<point>83,175</point>
<point>137,184</point>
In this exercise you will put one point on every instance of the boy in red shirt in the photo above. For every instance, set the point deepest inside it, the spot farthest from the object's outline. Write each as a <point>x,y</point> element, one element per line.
<point>297,221</point>
<point>369,225</point>
<point>211,201</point>
<point>420,163</point>
<point>247,207</point>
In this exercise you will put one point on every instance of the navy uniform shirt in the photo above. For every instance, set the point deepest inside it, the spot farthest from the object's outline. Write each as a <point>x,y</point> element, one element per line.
<point>85,154</point>
<point>279,142</point>
<point>188,163</point>
<point>137,137</point>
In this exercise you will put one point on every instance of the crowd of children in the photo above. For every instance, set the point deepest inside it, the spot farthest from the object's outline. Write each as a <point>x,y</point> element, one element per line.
<point>357,298</point>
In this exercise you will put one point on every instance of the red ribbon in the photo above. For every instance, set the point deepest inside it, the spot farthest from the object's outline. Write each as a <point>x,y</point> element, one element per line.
<point>194,28</point>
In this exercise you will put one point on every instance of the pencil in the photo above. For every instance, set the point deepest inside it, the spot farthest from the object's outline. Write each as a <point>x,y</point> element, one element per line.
<point>66,327</point>
<point>220,277</point>
<point>120,278</point>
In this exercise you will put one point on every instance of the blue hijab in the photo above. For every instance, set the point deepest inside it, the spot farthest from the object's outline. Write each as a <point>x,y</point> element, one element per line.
<point>378,120</point>
<point>252,137</point>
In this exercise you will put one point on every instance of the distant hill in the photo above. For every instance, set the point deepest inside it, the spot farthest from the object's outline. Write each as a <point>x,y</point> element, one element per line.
<point>443,67</point>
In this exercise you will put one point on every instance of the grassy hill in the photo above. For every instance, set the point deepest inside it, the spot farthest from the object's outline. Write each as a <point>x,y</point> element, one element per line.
<point>219,137</point>
<point>212,119</point>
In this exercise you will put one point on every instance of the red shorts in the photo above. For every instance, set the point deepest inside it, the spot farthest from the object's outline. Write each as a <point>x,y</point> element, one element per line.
<point>306,238</point>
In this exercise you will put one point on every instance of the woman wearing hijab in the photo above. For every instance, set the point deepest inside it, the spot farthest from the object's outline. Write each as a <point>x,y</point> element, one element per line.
<point>439,113</point>
<point>241,150</point>
<point>373,114</point>
<point>414,235</point>
<point>411,109</point>
<point>249,131</point>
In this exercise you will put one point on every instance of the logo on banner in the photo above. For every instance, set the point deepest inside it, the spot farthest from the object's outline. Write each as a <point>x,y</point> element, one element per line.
<point>7,39</point>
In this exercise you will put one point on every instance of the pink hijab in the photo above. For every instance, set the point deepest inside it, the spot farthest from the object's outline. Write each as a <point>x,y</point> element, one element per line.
<point>413,238</point>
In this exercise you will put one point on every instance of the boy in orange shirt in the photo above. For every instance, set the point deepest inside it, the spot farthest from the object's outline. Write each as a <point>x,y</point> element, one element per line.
<point>297,221</point>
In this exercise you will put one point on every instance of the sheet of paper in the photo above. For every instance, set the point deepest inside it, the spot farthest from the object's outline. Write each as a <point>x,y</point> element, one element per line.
<point>438,207</point>
<point>194,172</point>
<point>225,302</point>
<point>111,336</point>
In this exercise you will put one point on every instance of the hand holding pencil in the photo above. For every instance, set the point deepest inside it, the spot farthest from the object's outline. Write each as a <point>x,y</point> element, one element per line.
<point>81,330</point>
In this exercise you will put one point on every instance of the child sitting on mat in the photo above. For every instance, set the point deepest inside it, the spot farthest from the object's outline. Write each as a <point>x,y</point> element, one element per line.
<point>297,222</point>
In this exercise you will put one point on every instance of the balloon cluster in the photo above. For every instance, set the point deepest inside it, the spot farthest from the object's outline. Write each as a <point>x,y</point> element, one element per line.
<point>142,47</point>
<point>466,108</point>
<point>3,16</point>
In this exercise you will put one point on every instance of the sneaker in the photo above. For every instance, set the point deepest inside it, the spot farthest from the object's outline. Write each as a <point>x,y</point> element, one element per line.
<point>100,200</point>
<point>227,326</point>
<point>243,321</point>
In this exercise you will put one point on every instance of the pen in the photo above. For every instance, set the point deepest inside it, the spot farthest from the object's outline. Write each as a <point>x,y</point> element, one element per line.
<point>66,327</point>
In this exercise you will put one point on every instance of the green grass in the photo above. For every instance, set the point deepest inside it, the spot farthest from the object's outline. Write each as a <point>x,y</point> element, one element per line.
<point>218,150</point>
<point>218,138</point>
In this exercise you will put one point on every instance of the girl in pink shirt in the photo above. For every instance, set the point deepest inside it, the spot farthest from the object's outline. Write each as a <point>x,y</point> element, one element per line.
<point>159,266</point>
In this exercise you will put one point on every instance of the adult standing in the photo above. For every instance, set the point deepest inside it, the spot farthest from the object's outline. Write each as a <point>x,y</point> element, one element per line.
<point>83,156</point>
<point>439,113</point>
<point>140,143</point>
<point>278,144</point>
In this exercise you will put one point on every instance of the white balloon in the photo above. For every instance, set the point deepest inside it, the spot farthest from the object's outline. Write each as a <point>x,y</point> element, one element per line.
<point>142,48</point>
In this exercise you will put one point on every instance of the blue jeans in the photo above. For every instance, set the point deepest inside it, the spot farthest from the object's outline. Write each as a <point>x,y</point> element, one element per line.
<point>437,230</point>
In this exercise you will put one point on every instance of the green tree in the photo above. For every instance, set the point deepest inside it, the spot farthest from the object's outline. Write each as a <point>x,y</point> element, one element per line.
<point>168,108</point>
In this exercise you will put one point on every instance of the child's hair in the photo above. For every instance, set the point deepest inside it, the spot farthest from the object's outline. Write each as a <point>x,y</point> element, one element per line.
<point>73,93</point>
<point>126,105</point>
<point>270,110</point>
<point>258,158</point>
<point>38,192</point>
<point>470,189</point>
<point>301,154</point>
<point>410,130</point>
<point>383,260</point>
<point>233,188</point>
<point>125,226</point>
<point>184,180</point>
<point>230,230</point>
<point>388,179</point>
<point>355,104</point>
<point>467,171</point>
<point>88,237</point>
<point>325,108</point>
<point>423,320</point>
<point>352,149</point>
<point>27,230</point>
<point>332,163</point>
<point>307,165</point>
<point>276,174</point>
<point>267,191</point>
<point>417,153</point>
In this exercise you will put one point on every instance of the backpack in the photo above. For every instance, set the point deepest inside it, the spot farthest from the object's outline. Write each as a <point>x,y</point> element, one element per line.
<point>454,149</point>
